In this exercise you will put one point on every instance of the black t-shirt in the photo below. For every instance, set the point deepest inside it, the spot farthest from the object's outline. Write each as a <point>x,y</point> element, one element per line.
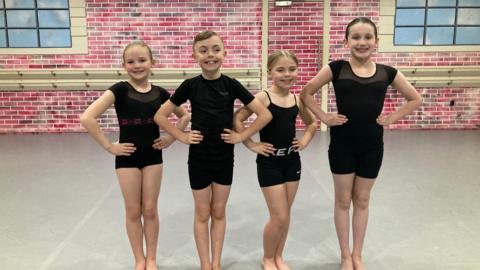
<point>135,111</point>
<point>360,99</point>
<point>212,103</point>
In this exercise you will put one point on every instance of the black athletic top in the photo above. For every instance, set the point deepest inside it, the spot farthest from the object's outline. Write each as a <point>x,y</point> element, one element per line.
<point>135,111</point>
<point>280,131</point>
<point>360,99</point>
<point>212,103</point>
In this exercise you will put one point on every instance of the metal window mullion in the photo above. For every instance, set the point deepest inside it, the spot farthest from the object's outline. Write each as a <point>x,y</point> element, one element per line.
<point>38,24</point>
<point>425,24</point>
<point>454,42</point>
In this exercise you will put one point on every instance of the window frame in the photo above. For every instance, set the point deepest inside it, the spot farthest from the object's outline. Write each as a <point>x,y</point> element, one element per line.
<point>78,33</point>
<point>386,30</point>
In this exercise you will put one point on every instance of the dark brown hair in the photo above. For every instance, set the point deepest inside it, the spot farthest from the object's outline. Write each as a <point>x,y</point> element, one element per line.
<point>360,20</point>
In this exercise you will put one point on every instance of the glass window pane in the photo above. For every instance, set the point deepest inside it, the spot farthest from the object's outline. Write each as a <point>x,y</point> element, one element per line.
<point>409,36</point>
<point>19,3</point>
<point>53,18</point>
<point>469,3</point>
<point>22,38</point>
<point>442,3</point>
<point>52,3</point>
<point>55,38</point>
<point>410,3</point>
<point>468,35</point>
<point>3,40</point>
<point>410,16</point>
<point>439,36</point>
<point>468,16</point>
<point>1,4</point>
<point>21,18</point>
<point>2,19</point>
<point>441,16</point>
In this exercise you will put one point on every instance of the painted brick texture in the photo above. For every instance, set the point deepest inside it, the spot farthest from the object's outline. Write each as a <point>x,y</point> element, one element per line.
<point>169,27</point>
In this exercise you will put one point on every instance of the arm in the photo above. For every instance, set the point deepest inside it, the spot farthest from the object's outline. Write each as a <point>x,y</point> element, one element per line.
<point>311,127</point>
<point>89,120</point>
<point>263,117</point>
<point>311,88</point>
<point>240,116</point>
<point>414,100</point>
<point>183,120</point>
<point>161,118</point>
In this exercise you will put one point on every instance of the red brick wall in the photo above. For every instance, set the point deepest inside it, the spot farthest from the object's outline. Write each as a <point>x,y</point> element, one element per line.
<point>169,27</point>
<point>285,26</point>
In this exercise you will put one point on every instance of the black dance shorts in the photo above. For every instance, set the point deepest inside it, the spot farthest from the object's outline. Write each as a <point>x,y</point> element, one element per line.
<point>363,161</point>
<point>275,171</point>
<point>139,159</point>
<point>204,173</point>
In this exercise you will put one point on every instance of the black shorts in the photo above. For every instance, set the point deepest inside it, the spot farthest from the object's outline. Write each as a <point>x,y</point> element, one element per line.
<point>141,158</point>
<point>363,161</point>
<point>203,173</point>
<point>275,171</point>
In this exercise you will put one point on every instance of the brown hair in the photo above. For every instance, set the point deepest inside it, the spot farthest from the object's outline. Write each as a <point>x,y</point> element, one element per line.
<point>273,58</point>
<point>137,43</point>
<point>360,20</point>
<point>205,35</point>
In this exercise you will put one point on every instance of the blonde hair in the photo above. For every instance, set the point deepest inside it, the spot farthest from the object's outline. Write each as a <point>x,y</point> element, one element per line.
<point>137,43</point>
<point>273,58</point>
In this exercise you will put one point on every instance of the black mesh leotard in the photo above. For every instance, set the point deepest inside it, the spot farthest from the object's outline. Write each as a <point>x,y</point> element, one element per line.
<point>357,146</point>
<point>135,111</point>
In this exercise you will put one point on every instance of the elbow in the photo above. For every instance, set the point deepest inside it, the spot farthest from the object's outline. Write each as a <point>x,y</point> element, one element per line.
<point>418,102</point>
<point>84,119</point>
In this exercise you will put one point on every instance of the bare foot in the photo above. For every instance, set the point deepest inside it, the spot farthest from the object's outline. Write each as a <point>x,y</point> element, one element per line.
<point>346,264</point>
<point>358,263</point>
<point>268,264</point>
<point>140,265</point>
<point>151,265</point>
<point>281,264</point>
<point>216,267</point>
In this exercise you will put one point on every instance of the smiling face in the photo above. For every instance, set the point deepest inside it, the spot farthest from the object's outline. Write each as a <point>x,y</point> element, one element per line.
<point>283,72</point>
<point>138,62</point>
<point>361,40</point>
<point>210,53</point>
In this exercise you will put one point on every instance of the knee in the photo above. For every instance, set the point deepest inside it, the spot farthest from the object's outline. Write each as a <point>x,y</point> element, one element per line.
<point>280,220</point>
<point>361,201</point>
<point>133,212</point>
<point>218,211</point>
<point>149,211</point>
<point>202,213</point>
<point>343,201</point>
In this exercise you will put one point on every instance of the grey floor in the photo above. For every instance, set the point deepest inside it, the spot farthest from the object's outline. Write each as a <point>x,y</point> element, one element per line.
<point>61,207</point>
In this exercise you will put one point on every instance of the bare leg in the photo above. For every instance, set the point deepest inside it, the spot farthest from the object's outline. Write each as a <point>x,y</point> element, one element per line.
<point>276,199</point>
<point>343,184</point>
<point>130,180</point>
<point>220,195</point>
<point>292,188</point>
<point>202,200</point>
<point>361,199</point>
<point>152,177</point>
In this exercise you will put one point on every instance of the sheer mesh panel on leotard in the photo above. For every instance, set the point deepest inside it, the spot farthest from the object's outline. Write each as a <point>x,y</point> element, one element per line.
<point>149,96</point>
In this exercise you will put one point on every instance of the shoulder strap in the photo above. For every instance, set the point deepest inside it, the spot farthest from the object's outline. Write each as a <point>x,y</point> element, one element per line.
<point>268,95</point>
